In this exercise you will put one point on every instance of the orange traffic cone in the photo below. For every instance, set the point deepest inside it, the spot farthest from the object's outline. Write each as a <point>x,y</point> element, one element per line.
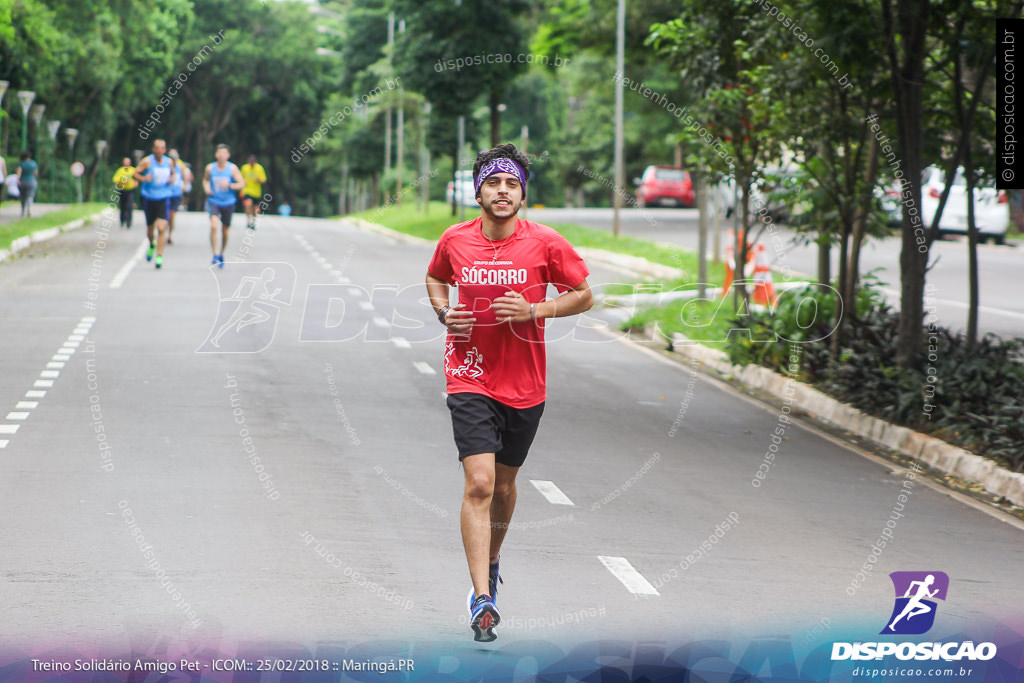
<point>764,288</point>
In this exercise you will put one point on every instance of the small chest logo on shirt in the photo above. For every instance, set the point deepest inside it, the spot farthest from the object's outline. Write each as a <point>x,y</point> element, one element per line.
<point>493,276</point>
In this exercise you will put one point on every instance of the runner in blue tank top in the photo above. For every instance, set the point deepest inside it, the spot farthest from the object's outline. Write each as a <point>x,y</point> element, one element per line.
<point>156,173</point>
<point>221,180</point>
<point>177,189</point>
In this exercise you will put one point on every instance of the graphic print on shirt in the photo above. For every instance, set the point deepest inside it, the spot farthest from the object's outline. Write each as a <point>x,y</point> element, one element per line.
<point>472,364</point>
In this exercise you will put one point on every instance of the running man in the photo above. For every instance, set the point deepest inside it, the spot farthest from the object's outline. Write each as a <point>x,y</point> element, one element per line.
<point>254,176</point>
<point>124,181</point>
<point>156,173</point>
<point>494,356</point>
<point>221,180</point>
<point>914,606</point>
<point>177,189</point>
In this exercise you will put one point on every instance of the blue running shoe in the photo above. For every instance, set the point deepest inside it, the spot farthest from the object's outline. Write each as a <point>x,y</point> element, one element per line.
<point>493,579</point>
<point>214,261</point>
<point>483,618</point>
<point>149,253</point>
<point>220,260</point>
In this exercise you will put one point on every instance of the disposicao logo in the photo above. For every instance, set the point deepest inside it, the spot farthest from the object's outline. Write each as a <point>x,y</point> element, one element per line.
<point>914,614</point>
<point>914,611</point>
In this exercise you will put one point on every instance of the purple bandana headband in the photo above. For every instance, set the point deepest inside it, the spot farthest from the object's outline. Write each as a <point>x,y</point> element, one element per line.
<point>500,165</point>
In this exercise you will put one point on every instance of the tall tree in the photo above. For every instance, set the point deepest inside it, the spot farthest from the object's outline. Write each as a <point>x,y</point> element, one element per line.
<point>905,25</point>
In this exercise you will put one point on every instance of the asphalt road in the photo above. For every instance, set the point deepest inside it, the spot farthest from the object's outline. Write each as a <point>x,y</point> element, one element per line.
<point>119,426</point>
<point>999,267</point>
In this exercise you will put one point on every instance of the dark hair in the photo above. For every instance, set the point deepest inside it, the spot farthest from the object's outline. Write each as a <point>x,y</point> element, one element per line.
<point>223,146</point>
<point>24,155</point>
<point>506,151</point>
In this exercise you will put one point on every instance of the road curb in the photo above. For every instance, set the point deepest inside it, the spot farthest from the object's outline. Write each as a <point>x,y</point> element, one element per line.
<point>930,450</point>
<point>25,241</point>
<point>377,228</point>
<point>633,264</point>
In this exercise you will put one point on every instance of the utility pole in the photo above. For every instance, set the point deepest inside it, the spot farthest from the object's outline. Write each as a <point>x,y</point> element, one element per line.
<point>620,172</point>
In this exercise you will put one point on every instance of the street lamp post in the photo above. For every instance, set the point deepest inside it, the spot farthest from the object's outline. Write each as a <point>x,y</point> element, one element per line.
<point>71,134</point>
<point>620,173</point>
<point>36,114</point>
<point>101,150</point>
<point>52,127</point>
<point>25,97</point>
<point>3,89</point>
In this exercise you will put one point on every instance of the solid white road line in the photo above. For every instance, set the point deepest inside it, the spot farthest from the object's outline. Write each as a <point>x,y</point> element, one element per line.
<point>633,580</point>
<point>424,368</point>
<point>551,492</point>
<point>962,304</point>
<point>121,275</point>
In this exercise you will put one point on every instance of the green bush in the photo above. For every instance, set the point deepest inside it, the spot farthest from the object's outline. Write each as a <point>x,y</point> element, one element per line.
<point>971,397</point>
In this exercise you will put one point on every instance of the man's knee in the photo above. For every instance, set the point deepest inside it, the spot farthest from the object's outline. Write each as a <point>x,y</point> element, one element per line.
<point>480,485</point>
<point>504,490</point>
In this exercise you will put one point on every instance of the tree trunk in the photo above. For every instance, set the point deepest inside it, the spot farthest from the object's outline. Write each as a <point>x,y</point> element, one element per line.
<point>907,79</point>
<point>860,222</point>
<point>824,260</point>
<point>844,275</point>
<point>972,250</point>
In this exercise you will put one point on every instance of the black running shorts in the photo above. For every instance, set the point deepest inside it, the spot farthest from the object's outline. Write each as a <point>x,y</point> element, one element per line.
<point>483,425</point>
<point>156,209</point>
<point>224,212</point>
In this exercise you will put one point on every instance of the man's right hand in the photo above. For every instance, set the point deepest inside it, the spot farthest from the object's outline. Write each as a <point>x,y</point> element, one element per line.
<point>458,320</point>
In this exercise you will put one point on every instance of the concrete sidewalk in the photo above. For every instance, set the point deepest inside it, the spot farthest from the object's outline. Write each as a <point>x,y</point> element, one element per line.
<point>10,210</point>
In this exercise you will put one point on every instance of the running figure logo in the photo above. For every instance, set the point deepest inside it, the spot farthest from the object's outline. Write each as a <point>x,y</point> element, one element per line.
<point>247,318</point>
<point>914,611</point>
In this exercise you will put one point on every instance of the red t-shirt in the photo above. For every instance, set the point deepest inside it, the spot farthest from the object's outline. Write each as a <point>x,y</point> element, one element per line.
<point>505,361</point>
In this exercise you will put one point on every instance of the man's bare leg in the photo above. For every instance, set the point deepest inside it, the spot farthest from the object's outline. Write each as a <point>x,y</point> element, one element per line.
<point>161,236</point>
<point>214,228</point>
<point>502,506</point>
<point>476,516</point>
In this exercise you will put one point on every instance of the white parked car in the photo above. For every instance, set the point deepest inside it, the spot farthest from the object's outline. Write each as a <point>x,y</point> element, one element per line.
<point>464,183</point>
<point>991,206</point>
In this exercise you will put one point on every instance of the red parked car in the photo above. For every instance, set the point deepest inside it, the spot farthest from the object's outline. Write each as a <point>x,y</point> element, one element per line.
<point>664,186</point>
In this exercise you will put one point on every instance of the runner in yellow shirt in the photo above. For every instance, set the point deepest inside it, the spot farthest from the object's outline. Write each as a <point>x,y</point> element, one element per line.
<point>254,176</point>
<point>124,181</point>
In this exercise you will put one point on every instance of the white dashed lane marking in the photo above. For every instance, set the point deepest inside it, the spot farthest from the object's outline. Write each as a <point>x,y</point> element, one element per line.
<point>424,368</point>
<point>633,580</point>
<point>23,409</point>
<point>551,492</point>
